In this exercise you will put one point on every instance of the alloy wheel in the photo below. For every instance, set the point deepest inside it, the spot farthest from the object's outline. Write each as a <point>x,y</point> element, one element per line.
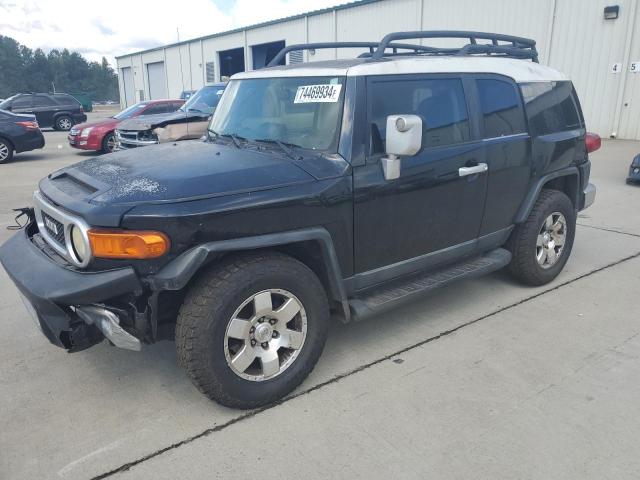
<point>551,240</point>
<point>265,335</point>
<point>4,151</point>
<point>64,124</point>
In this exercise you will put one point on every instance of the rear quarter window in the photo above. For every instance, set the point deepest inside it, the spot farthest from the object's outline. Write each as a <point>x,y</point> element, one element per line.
<point>66,100</point>
<point>551,107</point>
<point>501,108</point>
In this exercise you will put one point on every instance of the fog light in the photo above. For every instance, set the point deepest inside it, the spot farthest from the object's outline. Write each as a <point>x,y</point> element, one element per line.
<point>78,243</point>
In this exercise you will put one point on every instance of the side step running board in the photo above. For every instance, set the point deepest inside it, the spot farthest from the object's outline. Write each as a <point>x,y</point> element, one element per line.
<point>380,299</point>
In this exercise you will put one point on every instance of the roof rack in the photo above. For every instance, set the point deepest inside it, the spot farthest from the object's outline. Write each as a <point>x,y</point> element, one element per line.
<point>513,47</point>
<point>372,46</point>
<point>517,47</point>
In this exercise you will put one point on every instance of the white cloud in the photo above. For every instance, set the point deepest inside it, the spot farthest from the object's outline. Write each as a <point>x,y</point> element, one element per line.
<point>116,27</point>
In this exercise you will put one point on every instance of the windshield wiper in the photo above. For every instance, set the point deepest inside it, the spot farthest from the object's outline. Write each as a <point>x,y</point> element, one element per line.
<point>196,110</point>
<point>284,146</point>
<point>234,138</point>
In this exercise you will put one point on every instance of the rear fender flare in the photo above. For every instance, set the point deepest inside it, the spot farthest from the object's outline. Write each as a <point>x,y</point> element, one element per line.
<point>534,192</point>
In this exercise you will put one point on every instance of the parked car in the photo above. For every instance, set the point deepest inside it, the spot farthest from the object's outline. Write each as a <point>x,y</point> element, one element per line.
<point>634,170</point>
<point>101,135</point>
<point>187,123</point>
<point>339,188</point>
<point>18,133</point>
<point>52,110</point>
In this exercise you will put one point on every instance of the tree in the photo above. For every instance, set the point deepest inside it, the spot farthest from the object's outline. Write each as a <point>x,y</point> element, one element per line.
<point>23,70</point>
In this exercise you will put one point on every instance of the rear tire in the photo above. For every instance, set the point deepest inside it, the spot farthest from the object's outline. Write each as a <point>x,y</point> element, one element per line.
<point>224,318</point>
<point>63,123</point>
<point>542,244</point>
<point>6,151</point>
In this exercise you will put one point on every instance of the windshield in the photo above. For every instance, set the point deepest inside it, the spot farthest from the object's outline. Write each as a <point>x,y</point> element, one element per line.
<point>300,111</point>
<point>130,111</point>
<point>204,100</point>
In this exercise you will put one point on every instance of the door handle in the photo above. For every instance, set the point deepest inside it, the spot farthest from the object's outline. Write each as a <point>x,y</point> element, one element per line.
<point>480,168</point>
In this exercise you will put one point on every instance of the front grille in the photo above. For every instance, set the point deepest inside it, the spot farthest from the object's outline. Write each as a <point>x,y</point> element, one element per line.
<point>54,228</point>
<point>74,131</point>
<point>135,138</point>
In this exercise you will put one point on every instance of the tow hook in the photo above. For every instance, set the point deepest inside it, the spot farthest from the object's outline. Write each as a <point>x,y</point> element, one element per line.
<point>109,324</point>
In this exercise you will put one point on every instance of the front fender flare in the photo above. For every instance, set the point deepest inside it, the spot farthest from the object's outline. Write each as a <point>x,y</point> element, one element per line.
<point>177,274</point>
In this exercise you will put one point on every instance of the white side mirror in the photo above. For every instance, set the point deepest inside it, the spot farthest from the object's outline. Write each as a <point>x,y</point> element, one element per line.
<point>404,137</point>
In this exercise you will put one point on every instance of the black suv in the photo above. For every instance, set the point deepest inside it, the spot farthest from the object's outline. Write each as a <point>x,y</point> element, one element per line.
<point>52,110</point>
<point>339,188</point>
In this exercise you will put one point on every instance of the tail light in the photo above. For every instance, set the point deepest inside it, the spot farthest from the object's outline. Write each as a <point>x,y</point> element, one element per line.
<point>592,142</point>
<point>29,125</point>
<point>81,109</point>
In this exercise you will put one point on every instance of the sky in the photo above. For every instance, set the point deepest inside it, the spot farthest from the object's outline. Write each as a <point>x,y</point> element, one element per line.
<point>109,28</point>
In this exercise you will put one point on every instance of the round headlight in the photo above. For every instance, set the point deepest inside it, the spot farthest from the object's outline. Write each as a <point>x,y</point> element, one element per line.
<point>78,243</point>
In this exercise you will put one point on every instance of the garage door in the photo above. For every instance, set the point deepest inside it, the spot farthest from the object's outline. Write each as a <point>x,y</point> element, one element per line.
<point>157,82</point>
<point>129,90</point>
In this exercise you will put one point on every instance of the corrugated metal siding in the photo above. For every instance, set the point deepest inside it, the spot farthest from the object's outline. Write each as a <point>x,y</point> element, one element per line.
<point>630,104</point>
<point>584,46</point>
<point>572,36</point>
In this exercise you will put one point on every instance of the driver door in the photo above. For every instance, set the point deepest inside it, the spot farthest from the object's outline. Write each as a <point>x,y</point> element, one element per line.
<point>433,212</point>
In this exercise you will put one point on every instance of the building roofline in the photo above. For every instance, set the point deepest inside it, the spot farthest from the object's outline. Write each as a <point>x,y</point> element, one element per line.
<point>312,13</point>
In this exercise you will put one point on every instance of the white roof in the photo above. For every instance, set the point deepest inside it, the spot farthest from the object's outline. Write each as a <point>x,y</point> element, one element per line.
<point>522,71</point>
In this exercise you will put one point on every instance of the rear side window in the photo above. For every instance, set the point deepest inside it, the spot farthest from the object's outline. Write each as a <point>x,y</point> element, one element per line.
<point>440,102</point>
<point>501,108</point>
<point>42,101</point>
<point>551,107</point>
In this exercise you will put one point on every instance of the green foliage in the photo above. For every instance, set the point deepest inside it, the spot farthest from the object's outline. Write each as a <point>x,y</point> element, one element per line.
<point>24,70</point>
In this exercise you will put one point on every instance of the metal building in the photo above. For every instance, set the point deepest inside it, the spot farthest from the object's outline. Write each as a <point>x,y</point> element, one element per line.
<point>595,42</point>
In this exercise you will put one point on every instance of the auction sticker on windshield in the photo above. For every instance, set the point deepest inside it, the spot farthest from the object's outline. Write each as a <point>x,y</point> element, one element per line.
<point>318,94</point>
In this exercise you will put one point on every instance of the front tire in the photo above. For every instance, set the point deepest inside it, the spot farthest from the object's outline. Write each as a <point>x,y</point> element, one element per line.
<point>252,328</point>
<point>542,244</point>
<point>109,143</point>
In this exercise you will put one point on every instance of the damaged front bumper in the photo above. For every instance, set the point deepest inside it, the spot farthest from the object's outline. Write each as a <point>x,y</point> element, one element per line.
<point>67,304</point>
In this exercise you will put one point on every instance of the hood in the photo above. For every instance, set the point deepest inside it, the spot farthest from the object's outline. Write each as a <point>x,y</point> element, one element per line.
<point>173,172</point>
<point>148,122</point>
<point>106,123</point>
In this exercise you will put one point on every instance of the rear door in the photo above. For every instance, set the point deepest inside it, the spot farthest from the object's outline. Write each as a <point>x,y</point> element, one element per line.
<point>44,108</point>
<point>507,152</point>
<point>430,209</point>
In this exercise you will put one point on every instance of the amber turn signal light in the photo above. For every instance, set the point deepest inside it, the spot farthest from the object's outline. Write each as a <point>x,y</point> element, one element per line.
<point>128,244</point>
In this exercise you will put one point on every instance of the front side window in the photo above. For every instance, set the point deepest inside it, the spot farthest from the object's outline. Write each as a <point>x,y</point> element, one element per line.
<point>302,111</point>
<point>24,101</point>
<point>156,109</point>
<point>440,102</point>
<point>130,111</point>
<point>501,110</point>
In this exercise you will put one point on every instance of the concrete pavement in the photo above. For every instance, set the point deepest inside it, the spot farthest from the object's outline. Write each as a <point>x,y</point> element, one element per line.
<point>483,379</point>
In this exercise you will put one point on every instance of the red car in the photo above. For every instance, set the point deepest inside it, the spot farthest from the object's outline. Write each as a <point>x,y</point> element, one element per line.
<point>100,135</point>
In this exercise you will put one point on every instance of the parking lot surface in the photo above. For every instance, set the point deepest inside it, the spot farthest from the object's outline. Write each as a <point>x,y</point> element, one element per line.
<point>482,379</point>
